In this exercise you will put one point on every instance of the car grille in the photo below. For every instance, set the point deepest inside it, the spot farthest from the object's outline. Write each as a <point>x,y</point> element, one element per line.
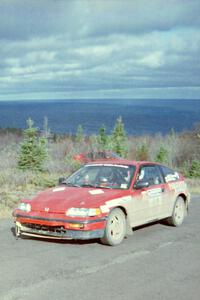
<point>44,228</point>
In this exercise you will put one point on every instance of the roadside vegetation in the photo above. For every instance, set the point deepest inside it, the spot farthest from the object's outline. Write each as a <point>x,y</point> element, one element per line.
<point>35,158</point>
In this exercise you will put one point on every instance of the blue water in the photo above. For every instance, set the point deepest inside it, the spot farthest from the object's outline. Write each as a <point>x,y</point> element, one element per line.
<point>139,116</point>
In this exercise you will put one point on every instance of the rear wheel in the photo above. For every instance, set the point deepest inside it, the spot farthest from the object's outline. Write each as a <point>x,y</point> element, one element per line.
<point>115,228</point>
<point>178,214</point>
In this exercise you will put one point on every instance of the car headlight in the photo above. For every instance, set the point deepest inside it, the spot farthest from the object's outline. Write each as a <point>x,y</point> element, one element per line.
<point>24,206</point>
<point>83,212</point>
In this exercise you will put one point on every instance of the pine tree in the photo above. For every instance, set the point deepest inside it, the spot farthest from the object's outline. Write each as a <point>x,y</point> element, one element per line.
<point>119,138</point>
<point>102,138</point>
<point>194,170</point>
<point>142,152</point>
<point>33,150</point>
<point>162,155</point>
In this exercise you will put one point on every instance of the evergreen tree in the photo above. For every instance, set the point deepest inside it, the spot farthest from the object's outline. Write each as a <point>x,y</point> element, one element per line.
<point>142,152</point>
<point>192,170</point>
<point>162,155</point>
<point>119,138</point>
<point>102,138</point>
<point>33,150</point>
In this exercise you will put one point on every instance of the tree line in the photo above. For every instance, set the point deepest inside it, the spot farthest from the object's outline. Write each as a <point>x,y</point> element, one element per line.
<point>179,151</point>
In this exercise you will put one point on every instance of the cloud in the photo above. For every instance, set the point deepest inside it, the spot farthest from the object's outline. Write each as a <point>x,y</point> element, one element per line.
<point>99,48</point>
<point>140,16</point>
<point>23,19</point>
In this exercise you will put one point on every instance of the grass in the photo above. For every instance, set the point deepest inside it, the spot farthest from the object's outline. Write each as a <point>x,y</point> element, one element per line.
<point>19,185</point>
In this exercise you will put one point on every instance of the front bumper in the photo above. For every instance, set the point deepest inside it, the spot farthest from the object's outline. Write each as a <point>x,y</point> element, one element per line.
<point>58,234</point>
<point>44,227</point>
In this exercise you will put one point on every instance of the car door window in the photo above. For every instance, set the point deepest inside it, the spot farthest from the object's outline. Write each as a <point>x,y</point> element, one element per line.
<point>150,174</point>
<point>169,174</point>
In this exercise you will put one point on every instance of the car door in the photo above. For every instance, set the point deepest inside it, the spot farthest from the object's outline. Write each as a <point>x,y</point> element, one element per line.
<point>173,186</point>
<point>147,195</point>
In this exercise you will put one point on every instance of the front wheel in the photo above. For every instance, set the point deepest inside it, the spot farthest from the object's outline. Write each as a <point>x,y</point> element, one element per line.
<point>115,228</point>
<point>178,214</point>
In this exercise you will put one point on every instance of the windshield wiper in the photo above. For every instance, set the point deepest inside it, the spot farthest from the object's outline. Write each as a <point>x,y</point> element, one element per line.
<point>103,187</point>
<point>70,184</point>
<point>88,185</point>
<point>96,186</point>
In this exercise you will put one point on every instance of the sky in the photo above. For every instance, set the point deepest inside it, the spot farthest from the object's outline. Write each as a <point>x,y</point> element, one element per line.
<point>74,49</point>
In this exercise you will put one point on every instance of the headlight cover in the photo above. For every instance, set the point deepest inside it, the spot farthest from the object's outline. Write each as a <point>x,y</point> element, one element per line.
<point>24,207</point>
<point>83,212</point>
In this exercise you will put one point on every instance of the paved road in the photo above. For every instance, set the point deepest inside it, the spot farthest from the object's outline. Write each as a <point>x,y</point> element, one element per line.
<point>158,262</point>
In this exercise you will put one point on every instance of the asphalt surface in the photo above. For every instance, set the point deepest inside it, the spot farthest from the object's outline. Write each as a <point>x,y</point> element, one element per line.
<point>156,262</point>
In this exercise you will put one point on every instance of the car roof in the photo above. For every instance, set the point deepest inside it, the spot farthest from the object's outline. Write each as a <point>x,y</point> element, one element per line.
<point>120,162</point>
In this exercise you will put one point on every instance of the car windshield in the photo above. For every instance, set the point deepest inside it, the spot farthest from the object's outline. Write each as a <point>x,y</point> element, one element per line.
<point>102,176</point>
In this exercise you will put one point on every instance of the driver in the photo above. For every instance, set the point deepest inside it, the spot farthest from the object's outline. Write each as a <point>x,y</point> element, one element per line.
<point>103,182</point>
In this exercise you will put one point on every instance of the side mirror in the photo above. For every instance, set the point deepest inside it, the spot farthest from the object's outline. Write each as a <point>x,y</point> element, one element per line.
<point>141,185</point>
<point>61,180</point>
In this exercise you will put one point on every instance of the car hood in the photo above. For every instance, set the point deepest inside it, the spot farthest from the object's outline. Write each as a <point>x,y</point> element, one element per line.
<point>61,198</point>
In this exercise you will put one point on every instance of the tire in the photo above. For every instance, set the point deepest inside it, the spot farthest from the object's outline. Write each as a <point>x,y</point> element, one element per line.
<point>178,214</point>
<point>115,230</point>
<point>17,231</point>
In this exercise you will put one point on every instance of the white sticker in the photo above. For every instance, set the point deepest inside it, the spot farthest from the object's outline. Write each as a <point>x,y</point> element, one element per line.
<point>59,189</point>
<point>172,177</point>
<point>154,192</point>
<point>96,192</point>
<point>123,186</point>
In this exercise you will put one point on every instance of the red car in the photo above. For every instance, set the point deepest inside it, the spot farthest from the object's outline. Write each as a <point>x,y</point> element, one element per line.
<point>105,200</point>
<point>95,155</point>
